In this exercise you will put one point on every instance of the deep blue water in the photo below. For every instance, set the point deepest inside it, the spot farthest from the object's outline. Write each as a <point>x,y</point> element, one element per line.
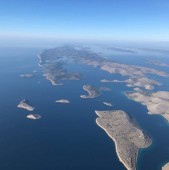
<point>67,137</point>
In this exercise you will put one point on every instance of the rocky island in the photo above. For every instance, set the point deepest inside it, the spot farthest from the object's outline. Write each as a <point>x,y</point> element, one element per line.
<point>107,104</point>
<point>34,116</point>
<point>93,92</point>
<point>128,137</point>
<point>24,104</point>
<point>62,101</point>
<point>157,102</point>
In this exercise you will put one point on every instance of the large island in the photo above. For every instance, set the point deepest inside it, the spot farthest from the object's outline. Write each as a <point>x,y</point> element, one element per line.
<point>128,137</point>
<point>55,62</point>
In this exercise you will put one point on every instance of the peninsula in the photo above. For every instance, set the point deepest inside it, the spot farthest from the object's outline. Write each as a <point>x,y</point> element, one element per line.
<point>128,137</point>
<point>54,62</point>
<point>157,102</point>
<point>24,104</point>
<point>93,92</point>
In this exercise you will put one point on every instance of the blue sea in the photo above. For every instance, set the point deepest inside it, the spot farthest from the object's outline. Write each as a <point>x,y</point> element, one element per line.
<point>67,136</point>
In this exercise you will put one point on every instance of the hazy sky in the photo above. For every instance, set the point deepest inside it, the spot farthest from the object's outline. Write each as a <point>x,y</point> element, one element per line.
<point>85,19</point>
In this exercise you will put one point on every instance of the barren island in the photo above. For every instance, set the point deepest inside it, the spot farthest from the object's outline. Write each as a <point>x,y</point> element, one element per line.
<point>24,104</point>
<point>92,91</point>
<point>128,137</point>
<point>34,116</point>
<point>62,101</point>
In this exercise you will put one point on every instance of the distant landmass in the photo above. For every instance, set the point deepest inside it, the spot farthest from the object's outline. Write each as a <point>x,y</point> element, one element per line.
<point>54,62</point>
<point>141,82</point>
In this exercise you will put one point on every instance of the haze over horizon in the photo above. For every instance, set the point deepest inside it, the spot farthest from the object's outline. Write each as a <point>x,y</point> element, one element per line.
<point>35,21</point>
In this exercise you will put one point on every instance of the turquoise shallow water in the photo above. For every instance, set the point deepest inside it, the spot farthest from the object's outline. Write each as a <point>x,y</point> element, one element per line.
<point>67,137</point>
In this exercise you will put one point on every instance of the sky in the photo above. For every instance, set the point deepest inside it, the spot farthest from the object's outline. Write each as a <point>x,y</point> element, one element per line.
<point>121,20</point>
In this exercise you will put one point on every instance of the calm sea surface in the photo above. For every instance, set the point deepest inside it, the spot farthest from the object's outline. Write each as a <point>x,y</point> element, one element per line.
<point>67,137</point>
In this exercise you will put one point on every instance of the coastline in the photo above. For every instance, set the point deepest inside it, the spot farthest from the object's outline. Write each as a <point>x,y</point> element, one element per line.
<point>166,166</point>
<point>157,127</point>
<point>113,141</point>
<point>135,100</point>
<point>90,94</point>
<point>155,102</point>
<point>46,77</point>
<point>39,57</point>
<point>52,81</point>
<point>140,154</point>
<point>85,96</point>
<point>128,141</point>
